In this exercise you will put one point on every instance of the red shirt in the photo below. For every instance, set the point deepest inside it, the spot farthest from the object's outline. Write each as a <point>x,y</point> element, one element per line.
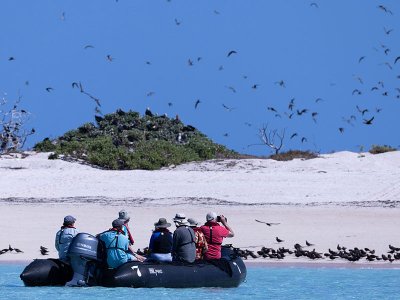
<point>218,234</point>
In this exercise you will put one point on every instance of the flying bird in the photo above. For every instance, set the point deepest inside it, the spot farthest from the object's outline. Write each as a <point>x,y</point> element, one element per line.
<point>387,31</point>
<point>303,139</point>
<point>291,104</point>
<point>362,111</point>
<point>318,100</point>
<point>49,89</point>
<point>279,240</point>
<point>109,57</point>
<point>361,59</point>
<point>227,107</point>
<point>231,52</point>
<point>303,111</point>
<point>44,250</point>
<point>255,86</point>
<point>314,4</point>
<point>197,103</point>
<point>231,88</point>
<point>368,122</point>
<point>267,223</point>
<point>177,22</point>
<point>88,46</point>
<point>11,58</point>
<point>356,91</point>
<point>385,9</point>
<point>397,59</point>
<point>271,109</point>
<point>293,135</point>
<point>149,94</point>
<point>281,83</point>
<point>309,244</point>
<point>341,129</point>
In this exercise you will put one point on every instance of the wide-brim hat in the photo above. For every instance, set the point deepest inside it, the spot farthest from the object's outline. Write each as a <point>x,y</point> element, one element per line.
<point>162,223</point>
<point>180,219</point>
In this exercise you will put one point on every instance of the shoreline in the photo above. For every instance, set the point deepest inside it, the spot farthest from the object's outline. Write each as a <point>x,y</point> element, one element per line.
<point>278,265</point>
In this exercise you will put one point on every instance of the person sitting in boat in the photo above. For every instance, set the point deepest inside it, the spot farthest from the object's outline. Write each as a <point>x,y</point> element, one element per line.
<point>200,240</point>
<point>123,215</point>
<point>117,245</point>
<point>183,240</point>
<point>64,237</point>
<point>215,234</point>
<point>160,246</point>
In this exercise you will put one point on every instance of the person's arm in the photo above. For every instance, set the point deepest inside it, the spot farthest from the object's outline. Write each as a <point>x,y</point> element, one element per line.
<point>56,242</point>
<point>138,257</point>
<point>225,223</point>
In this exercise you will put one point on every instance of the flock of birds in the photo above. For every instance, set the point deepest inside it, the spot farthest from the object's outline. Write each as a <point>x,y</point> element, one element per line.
<point>295,109</point>
<point>341,252</point>
<point>43,250</point>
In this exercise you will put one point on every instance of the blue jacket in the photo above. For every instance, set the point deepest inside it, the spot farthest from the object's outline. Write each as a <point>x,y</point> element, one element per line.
<point>63,239</point>
<point>117,248</point>
<point>161,241</point>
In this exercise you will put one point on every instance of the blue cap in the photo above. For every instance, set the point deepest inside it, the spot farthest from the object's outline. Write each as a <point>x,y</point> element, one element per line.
<point>69,220</point>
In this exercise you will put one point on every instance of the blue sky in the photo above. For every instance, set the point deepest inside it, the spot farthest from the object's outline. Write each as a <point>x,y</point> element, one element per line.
<point>314,50</point>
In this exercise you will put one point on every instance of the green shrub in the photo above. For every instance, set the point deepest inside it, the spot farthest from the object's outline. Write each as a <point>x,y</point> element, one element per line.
<point>377,149</point>
<point>125,140</point>
<point>292,154</point>
<point>45,146</point>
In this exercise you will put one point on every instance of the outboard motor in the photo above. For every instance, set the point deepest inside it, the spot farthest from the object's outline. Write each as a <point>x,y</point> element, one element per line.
<point>84,253</point>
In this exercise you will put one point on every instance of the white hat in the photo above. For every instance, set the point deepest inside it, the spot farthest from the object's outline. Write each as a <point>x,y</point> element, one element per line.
<point>180,219</point>
<point>211,216</point>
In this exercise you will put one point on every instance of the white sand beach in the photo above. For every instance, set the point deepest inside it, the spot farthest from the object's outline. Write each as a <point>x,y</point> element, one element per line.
<point>344,198</point>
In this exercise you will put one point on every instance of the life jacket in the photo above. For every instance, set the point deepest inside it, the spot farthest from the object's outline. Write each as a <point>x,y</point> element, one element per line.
<point>163,242</point>
<point>119,231</point>
<point>193,238</point>
<point>62,232</point>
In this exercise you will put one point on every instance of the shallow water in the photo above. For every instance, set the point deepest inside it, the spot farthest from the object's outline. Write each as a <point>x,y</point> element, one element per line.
<point>261,283</point>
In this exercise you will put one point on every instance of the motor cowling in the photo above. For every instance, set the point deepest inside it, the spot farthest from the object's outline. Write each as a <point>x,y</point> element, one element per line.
<point>84,254</point>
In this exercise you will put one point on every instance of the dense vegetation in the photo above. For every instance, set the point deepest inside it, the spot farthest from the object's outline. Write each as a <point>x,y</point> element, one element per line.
<point>126,140</point>
<point>377,149</point>
<point>292,154</point>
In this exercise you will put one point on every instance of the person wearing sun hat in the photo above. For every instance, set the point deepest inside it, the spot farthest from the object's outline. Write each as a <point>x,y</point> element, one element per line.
<point>183,243</point>
<point>123,215</point>
<point>160,245</point>
<point>201,243</point>
<point>215,234</point>
<point>117,245</point>
<point>64,237</point>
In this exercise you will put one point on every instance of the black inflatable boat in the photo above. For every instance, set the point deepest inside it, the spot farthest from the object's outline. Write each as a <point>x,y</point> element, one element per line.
<point>87,269</point>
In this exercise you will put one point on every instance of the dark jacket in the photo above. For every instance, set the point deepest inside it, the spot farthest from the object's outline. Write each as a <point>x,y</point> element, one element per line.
<point>184,246</point>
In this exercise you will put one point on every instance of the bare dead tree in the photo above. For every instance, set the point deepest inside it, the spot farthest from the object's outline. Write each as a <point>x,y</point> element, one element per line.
<point>13,134</point>
<point>272,138</point>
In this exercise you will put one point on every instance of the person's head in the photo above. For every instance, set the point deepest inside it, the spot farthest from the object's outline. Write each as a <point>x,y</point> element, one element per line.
<point>69,221</point>
<point>211,217</point>
<point>117,224</point>
<point>193,222</point>
<point>123,215</point>
<point>180,220</point>
<point>162,223</point>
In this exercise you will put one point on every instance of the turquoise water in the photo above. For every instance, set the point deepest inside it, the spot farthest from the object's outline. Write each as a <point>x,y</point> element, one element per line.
<point>261,283</point>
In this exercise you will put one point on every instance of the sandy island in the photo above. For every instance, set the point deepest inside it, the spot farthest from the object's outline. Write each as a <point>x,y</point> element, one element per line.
<point>343,198</point>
